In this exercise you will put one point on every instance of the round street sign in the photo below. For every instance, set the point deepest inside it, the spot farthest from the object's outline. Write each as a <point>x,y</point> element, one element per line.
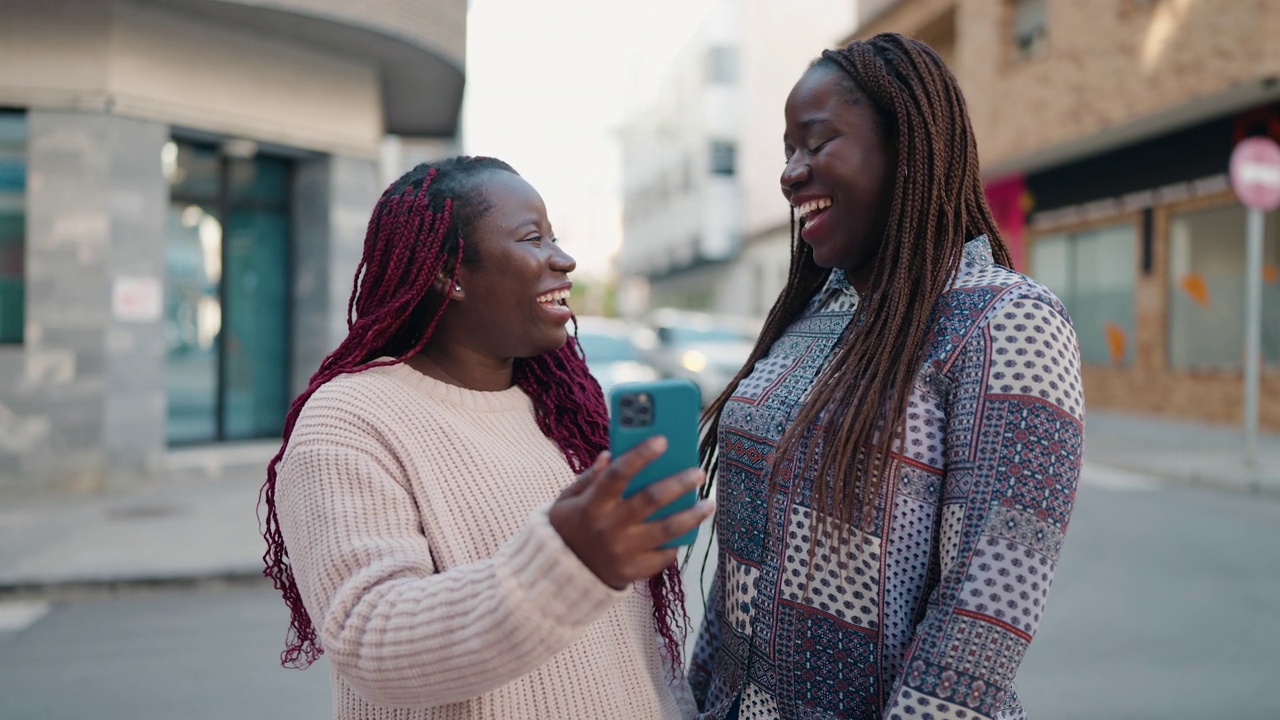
<point>1255,173</point>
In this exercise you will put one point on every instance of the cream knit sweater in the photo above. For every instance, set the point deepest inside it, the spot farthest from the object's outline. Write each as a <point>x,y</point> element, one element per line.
<point>415,516</point>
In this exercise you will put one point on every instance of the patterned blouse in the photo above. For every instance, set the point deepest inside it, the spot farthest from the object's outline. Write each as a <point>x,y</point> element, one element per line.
<point>928,614</point>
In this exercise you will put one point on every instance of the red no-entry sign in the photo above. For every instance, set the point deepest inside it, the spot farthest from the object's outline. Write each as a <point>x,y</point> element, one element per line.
<point>1255,176</point>
<point>1255,173</point>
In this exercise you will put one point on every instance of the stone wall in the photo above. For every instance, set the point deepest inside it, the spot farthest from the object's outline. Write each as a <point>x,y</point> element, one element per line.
<point>86,389</point>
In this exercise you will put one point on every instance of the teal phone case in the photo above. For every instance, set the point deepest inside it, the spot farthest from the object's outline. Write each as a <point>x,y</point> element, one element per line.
<point>674,407</point>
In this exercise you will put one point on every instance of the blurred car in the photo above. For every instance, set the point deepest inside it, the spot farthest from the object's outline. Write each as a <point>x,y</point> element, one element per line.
<point>707,349</point>
<point>616,351</point>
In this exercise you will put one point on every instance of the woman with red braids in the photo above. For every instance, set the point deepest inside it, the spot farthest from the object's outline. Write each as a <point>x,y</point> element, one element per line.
<point>423,520</point>
<point>896,463</point>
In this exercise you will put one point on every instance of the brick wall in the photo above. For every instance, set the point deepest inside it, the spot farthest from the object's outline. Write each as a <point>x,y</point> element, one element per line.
<point>1107,63</point>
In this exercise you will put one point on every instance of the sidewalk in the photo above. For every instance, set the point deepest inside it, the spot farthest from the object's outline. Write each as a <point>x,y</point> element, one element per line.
<point>200,523</point>
<point>1181,452</point>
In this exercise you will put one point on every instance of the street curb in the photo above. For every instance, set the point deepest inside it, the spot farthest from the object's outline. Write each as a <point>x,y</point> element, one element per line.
<point>1196,479</point>
<point>84,588</point>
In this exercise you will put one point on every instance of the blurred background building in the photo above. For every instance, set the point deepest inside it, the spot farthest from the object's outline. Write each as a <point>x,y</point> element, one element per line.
<point>1105,130</point>
<point>704,225</point>
<point>184,187</point>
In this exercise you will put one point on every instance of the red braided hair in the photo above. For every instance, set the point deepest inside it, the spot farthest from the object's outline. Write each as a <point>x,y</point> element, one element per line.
<point>414,235</point>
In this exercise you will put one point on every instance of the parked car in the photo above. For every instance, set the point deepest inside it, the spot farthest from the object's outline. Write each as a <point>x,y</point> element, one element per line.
<point>707,349</point>
<point>616,351</point>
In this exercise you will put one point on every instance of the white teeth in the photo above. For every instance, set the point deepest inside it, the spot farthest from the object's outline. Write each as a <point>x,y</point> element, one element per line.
<point>813,206</point>
<point>552,297</point>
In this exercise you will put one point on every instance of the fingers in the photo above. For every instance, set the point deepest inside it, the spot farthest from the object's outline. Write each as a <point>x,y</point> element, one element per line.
<point>646,565</point>
<point>660,532</point>
<point>640,506</point>
<point>655,562</point>
<point>613,480</point>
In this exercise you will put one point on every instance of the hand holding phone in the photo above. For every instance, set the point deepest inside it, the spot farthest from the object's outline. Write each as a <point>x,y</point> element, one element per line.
<point>622,524</point>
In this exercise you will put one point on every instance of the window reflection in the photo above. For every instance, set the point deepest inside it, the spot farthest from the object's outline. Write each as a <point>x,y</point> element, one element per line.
<point>13,225</point>
<point>226,295</point>
<point>1206,288</point>
<point>1092,273</point>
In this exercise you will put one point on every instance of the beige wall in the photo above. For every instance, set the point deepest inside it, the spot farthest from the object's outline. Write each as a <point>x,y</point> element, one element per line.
<point>1108,63</point>
<point>142,62</point>
<point>781,38</point>
<point>442,25</point>
<point>54,54</point>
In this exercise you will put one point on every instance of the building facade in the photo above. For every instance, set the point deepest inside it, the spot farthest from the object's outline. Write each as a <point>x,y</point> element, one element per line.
<point>681,197</point>
<point>184,187</point>
<point>705,226</point>
<point>1105,130</point>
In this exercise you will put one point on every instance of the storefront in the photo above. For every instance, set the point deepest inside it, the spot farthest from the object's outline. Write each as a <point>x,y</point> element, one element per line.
<point>1145,246</point>
<point>184,188</point>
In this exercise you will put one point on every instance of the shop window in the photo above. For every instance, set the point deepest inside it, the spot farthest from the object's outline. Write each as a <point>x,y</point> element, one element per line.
<point>1206,288</point>
<point>13,224</point>
<point>1092,272</point>
<point>1030,28</point>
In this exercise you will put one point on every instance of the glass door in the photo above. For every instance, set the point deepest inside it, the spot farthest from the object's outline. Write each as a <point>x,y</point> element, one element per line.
<point>226,295</point>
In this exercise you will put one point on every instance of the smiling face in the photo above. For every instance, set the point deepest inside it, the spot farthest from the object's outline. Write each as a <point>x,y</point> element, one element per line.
<point>839,173</point>
<point>512,302</point>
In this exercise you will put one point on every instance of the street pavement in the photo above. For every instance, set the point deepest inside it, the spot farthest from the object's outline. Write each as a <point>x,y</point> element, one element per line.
<point>1165,605</point>
<point>195,653</point>
<point>1166,602</point>
<point>201,522</point>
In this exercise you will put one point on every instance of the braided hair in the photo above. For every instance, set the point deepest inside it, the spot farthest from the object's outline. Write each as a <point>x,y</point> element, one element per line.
<point>857,409</point>
<point>417,233</point>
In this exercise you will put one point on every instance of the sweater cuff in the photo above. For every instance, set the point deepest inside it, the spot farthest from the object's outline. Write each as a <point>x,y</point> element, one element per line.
<point>547,578</point>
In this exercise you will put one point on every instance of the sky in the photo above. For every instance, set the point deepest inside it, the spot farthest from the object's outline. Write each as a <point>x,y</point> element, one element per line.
<point>548,84</point>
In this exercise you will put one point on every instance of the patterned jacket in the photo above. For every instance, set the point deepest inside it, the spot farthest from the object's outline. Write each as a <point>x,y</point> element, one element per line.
<point>927,611</point>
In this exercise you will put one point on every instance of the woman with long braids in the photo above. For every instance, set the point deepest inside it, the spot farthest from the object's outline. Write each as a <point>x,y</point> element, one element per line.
<point>896,463</point>
<point>422,516</point>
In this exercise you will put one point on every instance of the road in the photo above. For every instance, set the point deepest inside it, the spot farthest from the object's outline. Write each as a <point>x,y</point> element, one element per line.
<point>1166,605</point>
<point>190,654</point>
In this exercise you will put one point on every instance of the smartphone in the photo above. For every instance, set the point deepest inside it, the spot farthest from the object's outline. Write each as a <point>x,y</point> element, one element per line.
<point>640,410</point>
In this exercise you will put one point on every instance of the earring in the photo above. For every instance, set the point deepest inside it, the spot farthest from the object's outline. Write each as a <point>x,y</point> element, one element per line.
<point>457,287</point>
